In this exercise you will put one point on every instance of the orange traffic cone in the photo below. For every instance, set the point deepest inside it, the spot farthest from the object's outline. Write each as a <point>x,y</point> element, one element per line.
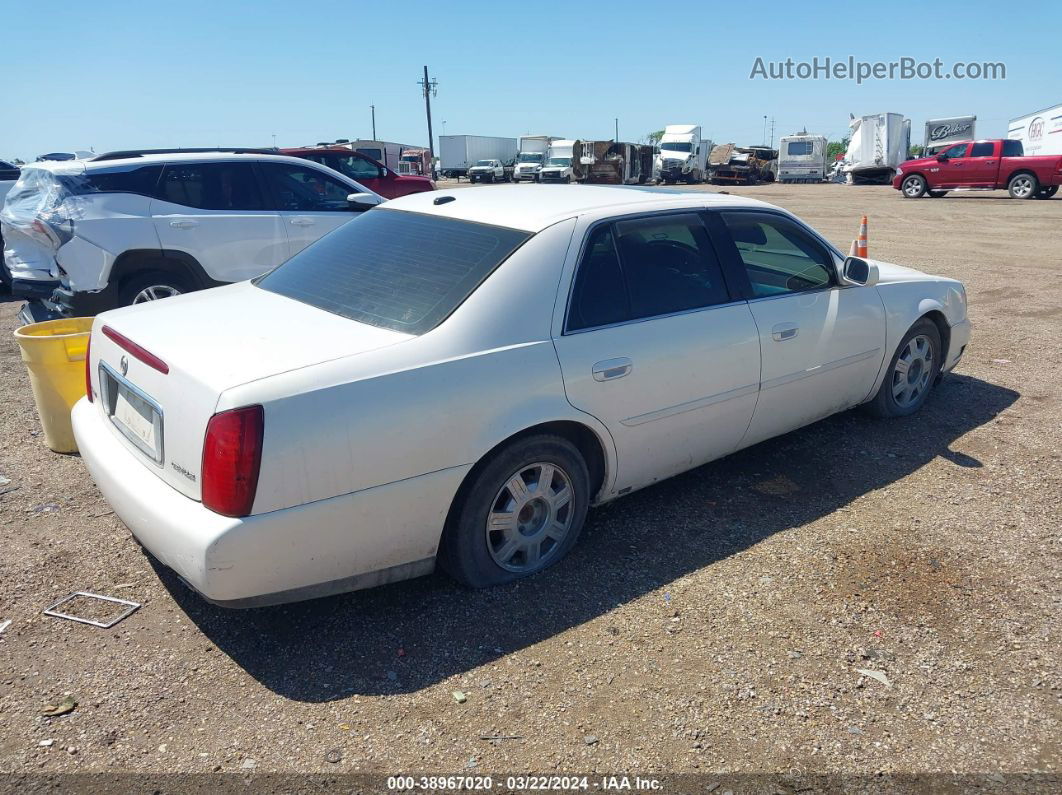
<point>861,241</point>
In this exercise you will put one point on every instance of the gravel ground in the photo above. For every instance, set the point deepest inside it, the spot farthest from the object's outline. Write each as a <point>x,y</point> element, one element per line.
<point>716,622</point>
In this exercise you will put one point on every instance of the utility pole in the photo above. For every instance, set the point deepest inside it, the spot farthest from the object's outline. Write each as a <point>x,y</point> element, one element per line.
<point>617,130</point>
<point>430,89</point>
<point>772,132</point>
<point>764,136</point>
<point>373,108</point>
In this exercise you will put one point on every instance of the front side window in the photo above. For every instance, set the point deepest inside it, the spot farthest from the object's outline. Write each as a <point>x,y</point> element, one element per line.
<point>959,150</point>
<point>353,166</point>
<point>396,270</point>
<point>211,186</point>
<point>303,189</point>
<point>983,149</point>
<point>644,268</point>
<point>778,255</point>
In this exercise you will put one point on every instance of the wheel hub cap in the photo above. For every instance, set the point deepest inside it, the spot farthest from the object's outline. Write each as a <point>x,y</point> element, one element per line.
<point>914,365</point>
<point>530,517</point>
<point>155,292</point>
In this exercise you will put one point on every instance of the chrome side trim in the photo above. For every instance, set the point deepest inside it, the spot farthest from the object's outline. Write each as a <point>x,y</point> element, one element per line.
<point>692,405</point>
<point>782,380</point>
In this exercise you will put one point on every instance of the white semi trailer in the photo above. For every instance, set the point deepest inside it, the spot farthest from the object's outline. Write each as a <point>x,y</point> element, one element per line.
<point>683,154</point>
<point>459,153</point>
<point>878,145</point>
<point>802,158</point>
<point>1040,133</point>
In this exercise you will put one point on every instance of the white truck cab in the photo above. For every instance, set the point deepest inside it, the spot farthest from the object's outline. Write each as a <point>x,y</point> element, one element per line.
<point>683,155</point>
<point>558,166</point>
<point>533,152</point>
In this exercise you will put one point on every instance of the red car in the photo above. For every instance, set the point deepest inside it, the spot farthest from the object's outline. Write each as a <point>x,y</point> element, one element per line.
<point>363,169</point>
<point>981,165</point>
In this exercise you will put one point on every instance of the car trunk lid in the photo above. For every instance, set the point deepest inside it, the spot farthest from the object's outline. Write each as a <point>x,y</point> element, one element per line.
<point>159,369</point>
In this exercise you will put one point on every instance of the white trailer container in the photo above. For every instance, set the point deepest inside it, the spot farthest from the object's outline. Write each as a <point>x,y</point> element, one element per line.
<point>802,158</point>
<point>558,167</point>
<point>533,151</point>
<point>1040,133</point>
<point>683,154</point>
<point>458,153</point>
<point>879,144</point>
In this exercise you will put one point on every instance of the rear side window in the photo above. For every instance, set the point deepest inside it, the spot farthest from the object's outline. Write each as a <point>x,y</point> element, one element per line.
<point>212,186</point>
<point>141,181</point>
<point>396,270</point>
<point>644,268</point>
<point>983,149</point>
<point>1012,148</point>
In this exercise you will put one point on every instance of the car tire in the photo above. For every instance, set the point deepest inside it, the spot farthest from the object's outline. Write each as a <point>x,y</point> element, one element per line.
<point>937,194</point>
<point>913,186</point>
<point>1023,186</point>
<point>480,549</point>
<point>912,372</point>
<point>159,284</point>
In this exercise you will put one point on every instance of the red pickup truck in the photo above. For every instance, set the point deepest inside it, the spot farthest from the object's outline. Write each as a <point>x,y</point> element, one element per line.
<point>363,169</point>
<point>981,165</point>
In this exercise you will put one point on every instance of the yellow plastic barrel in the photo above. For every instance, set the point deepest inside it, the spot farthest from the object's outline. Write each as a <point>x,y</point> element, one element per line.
<point>54,353</point>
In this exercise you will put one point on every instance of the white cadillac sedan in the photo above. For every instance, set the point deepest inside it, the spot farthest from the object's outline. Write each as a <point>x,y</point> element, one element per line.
<point>456,379</point>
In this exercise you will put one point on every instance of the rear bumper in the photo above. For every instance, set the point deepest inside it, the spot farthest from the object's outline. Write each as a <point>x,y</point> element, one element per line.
<point>344,543</point>
<point>32,288</point>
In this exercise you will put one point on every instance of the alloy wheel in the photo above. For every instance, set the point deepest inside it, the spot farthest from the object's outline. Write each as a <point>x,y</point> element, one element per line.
<point>155,292</point>
<point>913,369</point>
<point>530,517</point>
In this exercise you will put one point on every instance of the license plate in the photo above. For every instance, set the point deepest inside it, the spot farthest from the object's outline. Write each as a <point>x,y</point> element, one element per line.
<point>133,413</point>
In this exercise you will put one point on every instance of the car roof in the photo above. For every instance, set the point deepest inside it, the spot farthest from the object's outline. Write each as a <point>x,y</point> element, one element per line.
<point>172,157</point>
<point>532,208</point>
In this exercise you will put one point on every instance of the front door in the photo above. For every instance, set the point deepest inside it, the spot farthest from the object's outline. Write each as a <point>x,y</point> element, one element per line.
<point>216,213</point>
<point>310,202</point>
<point>821,343</point>
<point>954,170</point>
<point>656,347</point>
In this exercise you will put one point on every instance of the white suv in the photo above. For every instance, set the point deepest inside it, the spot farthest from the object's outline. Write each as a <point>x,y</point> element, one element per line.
<point>128,227</point>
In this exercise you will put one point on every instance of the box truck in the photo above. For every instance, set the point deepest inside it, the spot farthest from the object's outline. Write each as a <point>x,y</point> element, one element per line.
<point>532,156</point>
<point>683,154</point>
<point>1040,133</point>
<point>459,153</point>
<point>558,166</point>
<point>879,143</point>
<point>802,158</point>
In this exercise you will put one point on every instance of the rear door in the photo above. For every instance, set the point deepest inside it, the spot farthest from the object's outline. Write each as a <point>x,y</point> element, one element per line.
<point>216,213</point>
<point>821,344</point>
<point>310,202</point>
<point>656,347</point>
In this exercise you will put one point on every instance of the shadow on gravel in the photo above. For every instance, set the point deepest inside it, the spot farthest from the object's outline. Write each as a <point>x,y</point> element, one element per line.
<point>331,648</point>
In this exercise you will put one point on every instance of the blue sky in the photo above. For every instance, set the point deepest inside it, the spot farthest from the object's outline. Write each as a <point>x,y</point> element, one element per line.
<point>112,75</point>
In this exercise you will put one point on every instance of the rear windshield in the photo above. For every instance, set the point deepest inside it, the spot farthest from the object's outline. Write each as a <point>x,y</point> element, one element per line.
<point>393,269</point>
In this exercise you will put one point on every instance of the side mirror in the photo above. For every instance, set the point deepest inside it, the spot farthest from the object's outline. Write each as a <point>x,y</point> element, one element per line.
<point>363,201</point>
<point>860,272</point>
<point>383,171</point>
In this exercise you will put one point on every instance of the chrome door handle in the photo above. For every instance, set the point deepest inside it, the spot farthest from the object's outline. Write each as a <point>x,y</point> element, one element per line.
<point>784,331</point>
<point>184,224</point>
<point>610,369</point>
<point>302,221</point>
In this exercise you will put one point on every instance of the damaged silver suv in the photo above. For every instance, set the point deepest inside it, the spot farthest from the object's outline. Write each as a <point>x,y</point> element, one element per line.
<point>128,227</point>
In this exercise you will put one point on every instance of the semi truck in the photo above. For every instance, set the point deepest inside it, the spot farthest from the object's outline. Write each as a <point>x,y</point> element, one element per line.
<point>459,153</point>
<point>802,158</point>
<point>533,150</point>
<point>558,166</point>
<point>1040,133</point>
<point>683,154</point>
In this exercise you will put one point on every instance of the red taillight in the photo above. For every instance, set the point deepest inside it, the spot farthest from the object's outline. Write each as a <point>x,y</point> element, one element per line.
<point>88,368</point>
<point>232,455</point>
<point>144,355</point>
